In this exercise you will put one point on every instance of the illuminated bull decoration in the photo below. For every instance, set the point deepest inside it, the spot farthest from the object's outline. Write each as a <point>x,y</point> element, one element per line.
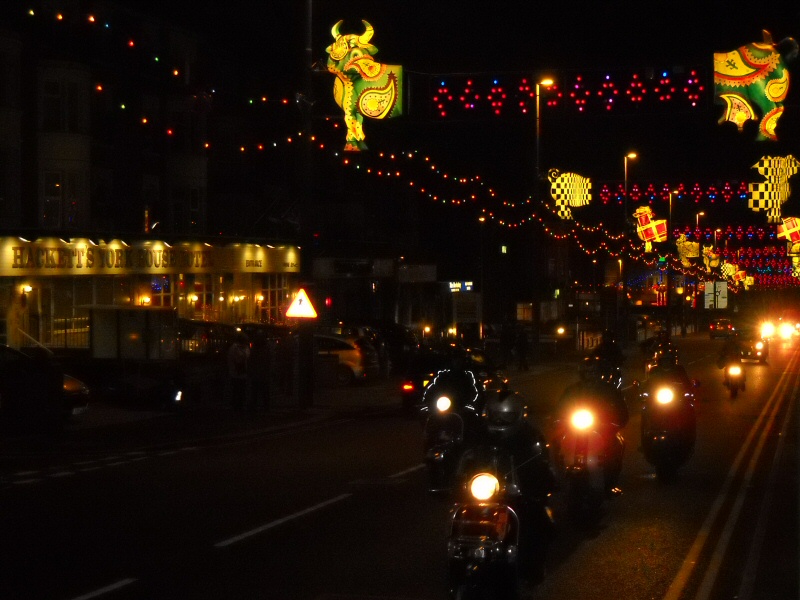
<point>769,195</point>
<point>687,250</point>
<point>711,259</point>
<point>753,79</point>
<point>569,189</point>
<point>363,86</point>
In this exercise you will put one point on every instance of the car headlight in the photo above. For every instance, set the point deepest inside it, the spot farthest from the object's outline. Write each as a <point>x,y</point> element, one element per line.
<point>759,345</point>
<point>483,486</point>
<point>786,331</point>
<point>443,403</point>
<point>582,419</point>
<point>664,396</point>
<point>767,330</point>
<point>734,370</point>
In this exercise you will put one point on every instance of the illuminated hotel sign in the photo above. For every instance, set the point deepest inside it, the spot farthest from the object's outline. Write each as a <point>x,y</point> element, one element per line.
<point>461,286</point>
<point>54,256</point>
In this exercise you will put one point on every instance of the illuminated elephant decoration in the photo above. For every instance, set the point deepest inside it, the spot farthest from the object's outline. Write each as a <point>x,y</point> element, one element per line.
<point>363,86</point>
<point>754,79</point>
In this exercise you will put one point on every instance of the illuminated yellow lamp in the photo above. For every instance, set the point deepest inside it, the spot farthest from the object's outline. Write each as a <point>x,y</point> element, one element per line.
<point>194,298</point>
<point>452,331</point>
<point>222,298</point>
<point>91,18</point>
<point>145,300</point>
<point>27,289</point>
<point>679,290</point>
<point>260,297</point>
<point>175,72</point>
<point>561,331</point>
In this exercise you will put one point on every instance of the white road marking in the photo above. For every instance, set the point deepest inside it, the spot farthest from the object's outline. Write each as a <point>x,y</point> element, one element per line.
<point>257,530</point>
<point>407,471</point>
<point>26,481</point>
<point>105,590</point>
<point>61,474</point>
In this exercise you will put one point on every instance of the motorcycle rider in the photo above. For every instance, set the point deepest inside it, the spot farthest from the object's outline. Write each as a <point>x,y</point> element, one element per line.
<point>507,425</point>
<point>598,385</point>
<point>731,353</point>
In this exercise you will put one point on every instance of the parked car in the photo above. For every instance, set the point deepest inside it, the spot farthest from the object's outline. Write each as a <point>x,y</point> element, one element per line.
<point>204,337</point>
<point>34,391</point>
<point>367,332</point>
<point>720,328</point>
<point>357,358</point>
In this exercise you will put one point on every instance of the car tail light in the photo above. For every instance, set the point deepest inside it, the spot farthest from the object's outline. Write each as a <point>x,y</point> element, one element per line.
<point>408,387</point>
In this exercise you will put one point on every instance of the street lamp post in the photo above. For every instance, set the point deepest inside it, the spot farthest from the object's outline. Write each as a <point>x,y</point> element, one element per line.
<point>629,155</point>
<point>482,220</point>
<point>623,276</point>
<point>714,280</point>
<point>545,83</point>
<point>697,219</point>
<point>669,274</point>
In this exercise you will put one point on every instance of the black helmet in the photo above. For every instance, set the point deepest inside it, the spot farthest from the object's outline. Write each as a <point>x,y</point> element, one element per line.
<point>505,414</point>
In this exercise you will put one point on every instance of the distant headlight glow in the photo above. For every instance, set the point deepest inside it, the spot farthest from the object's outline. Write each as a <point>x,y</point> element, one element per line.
<point>767,329</point>
<point>786,331</point>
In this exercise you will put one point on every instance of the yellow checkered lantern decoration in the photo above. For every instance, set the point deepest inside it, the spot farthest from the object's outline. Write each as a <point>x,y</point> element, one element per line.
<point>569,189</point>
<point>769,195</point>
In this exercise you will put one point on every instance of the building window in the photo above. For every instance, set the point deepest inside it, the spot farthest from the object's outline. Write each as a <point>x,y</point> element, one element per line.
<point>161,291</point>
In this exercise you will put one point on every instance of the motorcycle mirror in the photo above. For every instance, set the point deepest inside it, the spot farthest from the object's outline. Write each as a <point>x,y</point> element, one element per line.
<point>695,383</point>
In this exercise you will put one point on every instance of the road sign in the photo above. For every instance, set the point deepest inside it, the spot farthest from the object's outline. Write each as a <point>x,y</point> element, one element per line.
<point>301,307</point>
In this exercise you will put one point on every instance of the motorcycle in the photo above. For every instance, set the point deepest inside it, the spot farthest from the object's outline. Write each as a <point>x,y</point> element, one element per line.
<point>451,411</point>
<point>668,424</point>
<point>734,378</point>
<point>497,534</point>
<point>589,457</point>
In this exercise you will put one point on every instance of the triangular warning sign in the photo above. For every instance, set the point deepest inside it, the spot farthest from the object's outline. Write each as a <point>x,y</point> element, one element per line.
<point>301,307</point>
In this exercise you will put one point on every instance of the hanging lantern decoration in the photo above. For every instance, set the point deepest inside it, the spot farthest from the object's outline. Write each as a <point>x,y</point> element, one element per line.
<point>789,229</point>
<point>569,189</point>
<point>649,230</point>
<point>753,81</point>
<point>769,195</point>
<point>728,270</point>
<point>363,86</point>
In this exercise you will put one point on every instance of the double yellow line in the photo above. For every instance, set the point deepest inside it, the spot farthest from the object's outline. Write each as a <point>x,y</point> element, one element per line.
<point>768,414</point>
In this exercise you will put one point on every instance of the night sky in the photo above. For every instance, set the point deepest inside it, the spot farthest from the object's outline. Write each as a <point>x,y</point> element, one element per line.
<point>262,44</point>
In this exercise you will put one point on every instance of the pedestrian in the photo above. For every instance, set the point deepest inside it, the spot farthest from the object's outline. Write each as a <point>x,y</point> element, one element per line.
<point>238,355</point>
<point>260,371</point>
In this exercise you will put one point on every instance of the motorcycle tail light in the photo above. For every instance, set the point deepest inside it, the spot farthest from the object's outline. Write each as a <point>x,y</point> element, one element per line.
<point>443,403</point>
<point>483,486</point>
<point>582,419</point>
<point>665,396</point>
<point>734,370</point>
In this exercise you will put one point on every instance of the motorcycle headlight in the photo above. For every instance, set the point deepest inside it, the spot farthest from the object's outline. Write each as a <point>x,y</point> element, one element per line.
<point>582,419</point>
<point>443,403</point>
<point>483,486</point>
<point>664,396</point>
<point>734,370</point>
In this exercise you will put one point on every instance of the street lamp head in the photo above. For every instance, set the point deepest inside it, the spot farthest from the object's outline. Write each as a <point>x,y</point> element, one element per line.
<point>547,82</point>
<point>631,155</point>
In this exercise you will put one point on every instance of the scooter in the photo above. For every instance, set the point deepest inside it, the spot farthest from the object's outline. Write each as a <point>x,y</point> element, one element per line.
<point>584,454</point>
<point>497,535</point>
<point>734,378</point>
<point>668,426</point>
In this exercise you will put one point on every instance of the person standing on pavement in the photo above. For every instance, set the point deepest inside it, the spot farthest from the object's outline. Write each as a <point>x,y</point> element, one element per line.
<point>238,356</point>
<point>260,371</point>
